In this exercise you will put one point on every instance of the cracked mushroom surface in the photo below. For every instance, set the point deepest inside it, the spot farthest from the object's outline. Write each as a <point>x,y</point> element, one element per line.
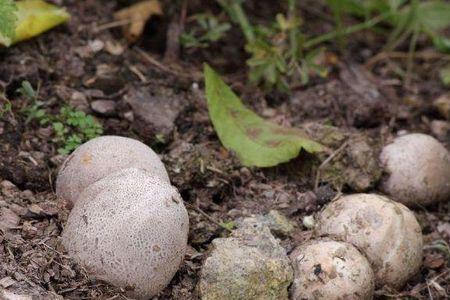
<point>386,232</point>
<point>129,229</point>
<point>331,270</point>
<point>101,157</point>
<point>418,170</point>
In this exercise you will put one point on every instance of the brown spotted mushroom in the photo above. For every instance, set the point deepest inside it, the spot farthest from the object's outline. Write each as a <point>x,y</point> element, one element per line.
<point>386,232</point>
<point>129,229</point>
<point>330,270</point>
<point>101,157</point>
<point>418,170</point>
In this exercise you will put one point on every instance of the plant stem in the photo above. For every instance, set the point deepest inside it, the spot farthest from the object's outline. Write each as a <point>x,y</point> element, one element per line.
<point>237,14</point>
<point>349,30</point>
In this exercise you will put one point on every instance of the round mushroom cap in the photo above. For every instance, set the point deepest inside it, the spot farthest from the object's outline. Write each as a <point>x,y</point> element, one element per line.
<point>386,232</point>
<point>129,229</point>
<point>418,168</point>
<point>330,270</point>
<point>101,157</point>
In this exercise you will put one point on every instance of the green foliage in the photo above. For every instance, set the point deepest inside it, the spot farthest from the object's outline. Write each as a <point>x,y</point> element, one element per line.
<point>444,74</point>
<point>256,141</point>
<point>277,58</point>
<point>8,19</point>
<point>282,56</point>
<point>207,31</point>
<point>71,128</point>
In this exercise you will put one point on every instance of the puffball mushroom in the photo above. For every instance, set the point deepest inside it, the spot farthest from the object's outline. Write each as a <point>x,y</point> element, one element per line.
<point>129,229</point>
<point>418,168</point>
<point>386,232</point>
<point>101,157</point>
<point>326,269</point>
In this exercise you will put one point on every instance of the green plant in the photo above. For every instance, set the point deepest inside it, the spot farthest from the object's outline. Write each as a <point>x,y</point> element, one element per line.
<point>70,127</point>
<point>277,56</point>
<point>281,55</point>
<point>8,19</point>
<point>208,29</point>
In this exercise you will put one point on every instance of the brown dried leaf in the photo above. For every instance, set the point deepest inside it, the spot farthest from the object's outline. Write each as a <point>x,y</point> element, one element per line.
<point>135,17</point>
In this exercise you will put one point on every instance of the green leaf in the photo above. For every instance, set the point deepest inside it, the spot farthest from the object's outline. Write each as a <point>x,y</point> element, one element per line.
<point>33,18</point>
<point>442,44</point>
<point>444,73</point>
<point>7,20</point>
<point>256,141</point>
<point>434,15</point>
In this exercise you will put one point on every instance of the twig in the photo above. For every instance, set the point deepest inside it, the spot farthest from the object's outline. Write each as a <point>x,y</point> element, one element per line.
<point>211,219</point>
<point>425,55</point>
<point>326,162</point>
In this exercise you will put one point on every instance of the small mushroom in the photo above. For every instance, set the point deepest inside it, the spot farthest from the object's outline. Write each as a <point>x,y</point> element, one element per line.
<point>129,229</point>
<point>326,269</point>
<point>418,170</point>
<point>101,157</point>
<point>386,232</point>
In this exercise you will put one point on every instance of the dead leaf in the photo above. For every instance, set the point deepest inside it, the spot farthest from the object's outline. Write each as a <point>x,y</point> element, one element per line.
<point>135,17</point>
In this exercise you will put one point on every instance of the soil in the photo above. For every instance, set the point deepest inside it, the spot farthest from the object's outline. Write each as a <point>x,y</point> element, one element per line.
<point>76,64</point>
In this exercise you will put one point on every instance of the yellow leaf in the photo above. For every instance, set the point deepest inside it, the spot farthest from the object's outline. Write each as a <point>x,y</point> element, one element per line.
<point>135,17</point>
<point>35,17</point>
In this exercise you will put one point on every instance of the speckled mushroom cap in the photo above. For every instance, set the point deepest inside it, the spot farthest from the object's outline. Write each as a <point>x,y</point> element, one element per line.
<point>330,270</point>
<point>386,232</point>
<point>129,229</point>
<point>418,168</point>
<point>101,157</point>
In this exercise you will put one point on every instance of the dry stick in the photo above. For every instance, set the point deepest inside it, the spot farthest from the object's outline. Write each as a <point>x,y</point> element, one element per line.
<point>192,76</point>
<point>326,162</point>
<point>211,219</point>
<point>425,55</point>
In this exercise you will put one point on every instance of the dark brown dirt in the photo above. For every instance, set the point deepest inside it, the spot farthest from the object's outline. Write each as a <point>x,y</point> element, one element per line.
<point>372,101</point>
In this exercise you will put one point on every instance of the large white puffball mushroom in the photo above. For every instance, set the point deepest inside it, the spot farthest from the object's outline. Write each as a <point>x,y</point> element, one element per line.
<point>101,157</point>
<point>418,170</point>
<point>129,229</point>
<point>330,270</point>
<point>386,232</point>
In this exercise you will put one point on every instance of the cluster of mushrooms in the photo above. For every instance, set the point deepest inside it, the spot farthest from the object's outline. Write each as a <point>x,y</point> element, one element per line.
<point>129,227</point>
<point>365,241</point>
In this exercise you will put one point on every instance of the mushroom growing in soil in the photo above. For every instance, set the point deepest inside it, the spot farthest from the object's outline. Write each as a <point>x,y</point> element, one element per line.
<point>386,232</point>
<point>326,269</point>
<point>418,170</point>
<point>129,229</point>
<point>101,157</point>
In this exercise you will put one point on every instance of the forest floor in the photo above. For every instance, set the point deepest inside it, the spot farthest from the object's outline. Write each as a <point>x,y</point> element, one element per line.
<point>93,70</point>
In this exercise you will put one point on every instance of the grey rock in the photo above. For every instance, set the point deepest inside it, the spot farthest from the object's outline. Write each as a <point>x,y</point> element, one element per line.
<point>104,107</point>
<point>155,111</point>
<point>8,219</point>
<point>249,265</point>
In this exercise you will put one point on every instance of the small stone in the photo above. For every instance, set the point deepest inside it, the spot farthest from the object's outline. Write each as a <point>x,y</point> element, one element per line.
<point>7,282</point>
<point>278,223</point>
<point>154,112</point>
<point>104,107</point>
<point>440,129</point>
<point>442,104</point>
<point>249,265</point>
<point>8,219</point>
<point>308,222</point>
<point>79,101</point>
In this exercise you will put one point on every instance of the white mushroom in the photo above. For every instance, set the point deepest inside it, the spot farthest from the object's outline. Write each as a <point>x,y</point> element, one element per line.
<point>101,157</point>
<point>386,232</point>
<point>330,270</point>
<point>129,229</point>
<point>418,170</point>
